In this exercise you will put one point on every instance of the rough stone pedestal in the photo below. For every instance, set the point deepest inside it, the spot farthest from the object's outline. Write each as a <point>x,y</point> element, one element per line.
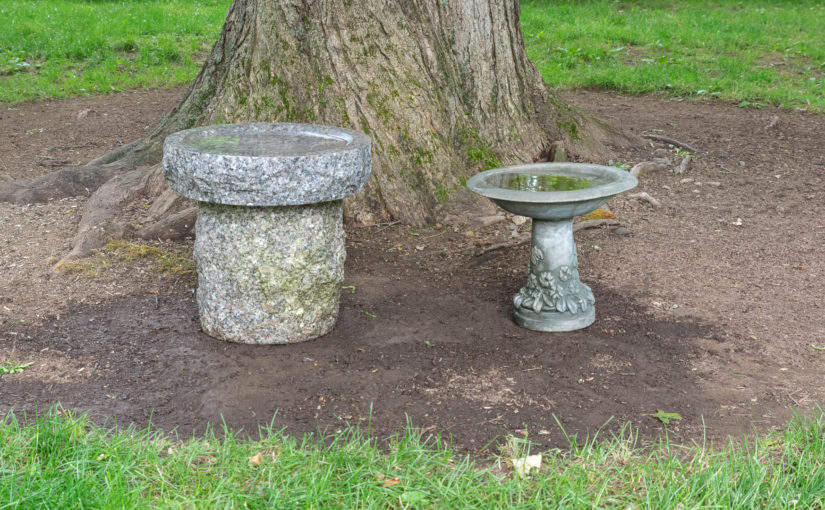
<point>269,274</point>
<point>269,240</point>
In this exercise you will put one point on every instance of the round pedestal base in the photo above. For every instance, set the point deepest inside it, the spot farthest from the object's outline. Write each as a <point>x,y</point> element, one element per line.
<point>269,275</point>
<point>554,321</point>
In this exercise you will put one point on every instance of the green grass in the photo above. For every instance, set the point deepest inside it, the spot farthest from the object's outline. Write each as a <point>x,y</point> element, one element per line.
<point>748,52</point>
<point>11,367</point>
<point>752,53</point>
<point>62,461</point>
<point>61,48</point>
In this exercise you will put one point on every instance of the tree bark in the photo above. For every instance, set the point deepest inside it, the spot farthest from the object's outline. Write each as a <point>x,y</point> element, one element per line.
<point>443,87</point>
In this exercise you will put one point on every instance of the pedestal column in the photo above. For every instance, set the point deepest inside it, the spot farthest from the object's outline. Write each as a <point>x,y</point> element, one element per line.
<point>554,298</point>
<point>269,275</point>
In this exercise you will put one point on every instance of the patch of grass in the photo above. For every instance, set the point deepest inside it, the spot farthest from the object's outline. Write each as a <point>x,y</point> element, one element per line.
<point>755,52</point>
<point>61,48</point>
<point>11,367</point>
<point>85,267</point>
<point>131,251</point>
<point>174,263</point>
<point>61,460</point>
<point>163,261</point>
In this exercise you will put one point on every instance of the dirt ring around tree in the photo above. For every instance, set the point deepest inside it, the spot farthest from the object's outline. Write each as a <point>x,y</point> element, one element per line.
<point>709,305</point>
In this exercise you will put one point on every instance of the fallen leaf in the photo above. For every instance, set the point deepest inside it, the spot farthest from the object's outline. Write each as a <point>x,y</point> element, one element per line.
<point>413,498</point>
<point>523,466</point>
<point>391,482</point>
<point>665,417</point>
<point>255,460</point>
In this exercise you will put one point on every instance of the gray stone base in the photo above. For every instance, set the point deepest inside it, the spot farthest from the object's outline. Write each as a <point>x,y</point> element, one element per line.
<point>269,275</point>
<point>554,321</point>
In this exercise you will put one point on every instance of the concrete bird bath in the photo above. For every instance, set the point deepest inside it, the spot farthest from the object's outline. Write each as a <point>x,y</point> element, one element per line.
<point>552,194</point>
<point>269,240</point>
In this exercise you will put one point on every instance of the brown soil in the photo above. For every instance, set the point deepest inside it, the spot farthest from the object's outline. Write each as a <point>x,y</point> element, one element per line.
<point>711,306</point>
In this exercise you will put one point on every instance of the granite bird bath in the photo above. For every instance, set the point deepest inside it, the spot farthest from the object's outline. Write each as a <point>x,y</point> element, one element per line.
<point>552,194</point>
<point>269,239</point>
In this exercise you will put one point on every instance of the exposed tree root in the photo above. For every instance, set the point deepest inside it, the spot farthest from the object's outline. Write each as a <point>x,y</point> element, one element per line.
<point>98,223</point>
<point>67,182</point>
<point>118,153</point>
<point>644,196</point>
<point>671,141</point>
<point>176,226</point>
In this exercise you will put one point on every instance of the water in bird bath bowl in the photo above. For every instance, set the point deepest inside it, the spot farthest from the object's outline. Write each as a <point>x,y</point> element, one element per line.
<point>554,298</point>
<point>546,182</point>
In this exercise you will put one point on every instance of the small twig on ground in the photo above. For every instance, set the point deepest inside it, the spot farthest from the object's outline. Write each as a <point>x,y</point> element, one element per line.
<point>671,141</point>
<point>683,166</point>
<point>647,198</point>
<point>790,396</point>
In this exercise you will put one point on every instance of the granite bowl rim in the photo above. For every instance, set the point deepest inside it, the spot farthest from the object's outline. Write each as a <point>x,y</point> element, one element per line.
<point>358,140</point>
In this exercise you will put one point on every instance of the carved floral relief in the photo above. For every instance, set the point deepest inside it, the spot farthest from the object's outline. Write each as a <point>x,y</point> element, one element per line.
<point>558,289</point>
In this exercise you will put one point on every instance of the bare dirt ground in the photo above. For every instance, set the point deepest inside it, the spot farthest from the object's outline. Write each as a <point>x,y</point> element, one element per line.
<point>709,305</point>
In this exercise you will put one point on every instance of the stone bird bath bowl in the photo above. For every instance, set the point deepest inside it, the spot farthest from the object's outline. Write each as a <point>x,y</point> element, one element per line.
<point>552,194</point>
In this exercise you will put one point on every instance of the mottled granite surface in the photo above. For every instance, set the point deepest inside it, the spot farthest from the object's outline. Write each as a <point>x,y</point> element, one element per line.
<point>269,275</point>
<point>269,240</point>
<point>267,164</point>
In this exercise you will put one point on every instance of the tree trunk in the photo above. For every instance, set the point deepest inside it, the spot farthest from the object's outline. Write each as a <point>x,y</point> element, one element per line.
<point>443,87</point>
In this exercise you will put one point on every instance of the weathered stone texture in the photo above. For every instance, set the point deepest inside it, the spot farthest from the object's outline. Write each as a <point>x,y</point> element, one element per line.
<point>267,164</point>
<point>269,274</point>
